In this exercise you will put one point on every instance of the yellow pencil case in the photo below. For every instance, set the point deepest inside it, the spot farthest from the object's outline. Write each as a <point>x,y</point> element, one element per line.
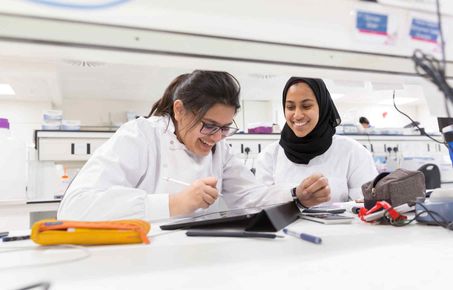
<point>56,232</point>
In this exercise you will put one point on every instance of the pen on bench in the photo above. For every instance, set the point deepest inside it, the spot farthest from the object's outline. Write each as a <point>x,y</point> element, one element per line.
<point>16,238</point>
<point>180,182</point>
<point>231,234</point>
<point>303,236</point>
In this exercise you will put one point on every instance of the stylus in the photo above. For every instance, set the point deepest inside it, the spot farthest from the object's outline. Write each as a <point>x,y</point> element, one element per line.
<point>17,238</point>
<point>235,234</point>
<point>180,182</point>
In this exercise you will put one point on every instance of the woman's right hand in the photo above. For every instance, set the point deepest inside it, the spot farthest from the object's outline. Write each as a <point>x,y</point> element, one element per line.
<point>313,190</point>
<point>200,194</point>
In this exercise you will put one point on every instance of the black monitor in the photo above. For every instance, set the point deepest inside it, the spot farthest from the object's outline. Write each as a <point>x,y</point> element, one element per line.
<point>444,122</point>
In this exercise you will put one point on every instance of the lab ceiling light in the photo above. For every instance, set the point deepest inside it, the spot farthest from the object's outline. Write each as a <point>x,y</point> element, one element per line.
<point>83,63</point>
<point>6,90</point>
<point>262,76</point>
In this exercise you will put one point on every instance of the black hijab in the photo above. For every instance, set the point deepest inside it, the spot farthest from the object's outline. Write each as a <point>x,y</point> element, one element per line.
<point>302,149</point>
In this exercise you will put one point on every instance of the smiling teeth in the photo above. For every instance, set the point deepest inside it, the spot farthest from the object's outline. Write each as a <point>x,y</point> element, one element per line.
<point>300,124</point>
<point>209,144</point>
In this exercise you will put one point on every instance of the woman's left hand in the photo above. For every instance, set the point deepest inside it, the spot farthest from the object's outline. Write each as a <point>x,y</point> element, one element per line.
<point>313,190</point>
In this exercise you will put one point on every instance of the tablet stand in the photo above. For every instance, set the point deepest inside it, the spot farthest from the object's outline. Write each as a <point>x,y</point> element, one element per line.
<point>273,219</point>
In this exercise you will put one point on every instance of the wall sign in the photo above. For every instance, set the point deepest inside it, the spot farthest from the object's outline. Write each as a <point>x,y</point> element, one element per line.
<point>423,33</point>
<point>367,22</point>
<point>375,27</point>
<point>424,30</point>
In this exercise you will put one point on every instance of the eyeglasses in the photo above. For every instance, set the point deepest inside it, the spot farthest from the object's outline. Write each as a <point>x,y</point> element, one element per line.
<point>211,129</point>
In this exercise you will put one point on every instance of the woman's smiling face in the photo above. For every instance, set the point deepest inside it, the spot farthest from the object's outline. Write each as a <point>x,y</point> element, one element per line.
<point>190,134</point>
<point>301,109</point>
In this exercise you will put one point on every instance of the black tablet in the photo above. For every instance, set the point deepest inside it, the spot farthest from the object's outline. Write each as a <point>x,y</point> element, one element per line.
<point>230,217</point>
<point>266,219</point>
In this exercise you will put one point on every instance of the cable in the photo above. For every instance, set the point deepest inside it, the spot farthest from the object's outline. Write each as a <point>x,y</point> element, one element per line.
<point>247,152</point>
<point>436,217</point>
<point>443,222</point>
<point>369,143</point>
<point>422,131</point>
<point>253,169</point>
<point>86,255</point>
<point>433,69</point>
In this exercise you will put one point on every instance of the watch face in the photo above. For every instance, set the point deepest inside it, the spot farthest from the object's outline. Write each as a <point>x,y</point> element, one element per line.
<point>296,199</point>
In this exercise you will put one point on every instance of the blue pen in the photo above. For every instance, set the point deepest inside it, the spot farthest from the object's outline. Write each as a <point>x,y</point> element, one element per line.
<point>305,237</point>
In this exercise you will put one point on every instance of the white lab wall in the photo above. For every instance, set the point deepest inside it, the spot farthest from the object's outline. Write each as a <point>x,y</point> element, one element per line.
<point>383,116</point>
<point>24,117</point>
<point>350,114</point>
<point>27,116</point>
<point>112,113</point>
<point>427,120</point>
<point>254,112</point>
<point>103,112</point>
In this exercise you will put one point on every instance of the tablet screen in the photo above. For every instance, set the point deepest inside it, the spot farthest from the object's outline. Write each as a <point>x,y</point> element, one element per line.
<point>214,218</point>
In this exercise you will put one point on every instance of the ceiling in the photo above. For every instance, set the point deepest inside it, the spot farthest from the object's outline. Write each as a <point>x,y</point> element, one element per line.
<point>97,62</point>
<point>56,73</point>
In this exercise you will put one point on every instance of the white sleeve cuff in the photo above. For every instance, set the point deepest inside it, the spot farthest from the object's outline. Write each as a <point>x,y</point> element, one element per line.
<point>157,206</point>
<point>355,193</point>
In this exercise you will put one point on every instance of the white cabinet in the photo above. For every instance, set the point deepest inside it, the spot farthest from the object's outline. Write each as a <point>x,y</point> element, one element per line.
<point>69,146</point>
<point>404,151</point>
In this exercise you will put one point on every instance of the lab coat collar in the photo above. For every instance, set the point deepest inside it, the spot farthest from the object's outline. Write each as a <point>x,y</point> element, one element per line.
<point>173,141</point>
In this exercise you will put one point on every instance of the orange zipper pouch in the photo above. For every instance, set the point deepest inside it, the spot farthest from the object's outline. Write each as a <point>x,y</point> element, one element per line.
<point>56,232</point>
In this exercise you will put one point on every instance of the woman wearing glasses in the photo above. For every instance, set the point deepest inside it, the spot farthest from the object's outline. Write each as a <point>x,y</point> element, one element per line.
<point>176,162</point>
<point>308,144</point>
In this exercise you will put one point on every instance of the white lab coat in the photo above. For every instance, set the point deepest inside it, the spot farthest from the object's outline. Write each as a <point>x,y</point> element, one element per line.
<point>124,177</point>
<point>346,164</point>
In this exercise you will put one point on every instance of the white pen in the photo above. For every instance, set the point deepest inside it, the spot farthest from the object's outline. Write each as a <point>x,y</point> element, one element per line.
<point>169,179</point>
<point>175,181</point>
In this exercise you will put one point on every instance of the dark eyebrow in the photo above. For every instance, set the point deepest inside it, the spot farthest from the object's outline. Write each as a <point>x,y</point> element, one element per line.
<point>217,124</point>
<point>303,101</point>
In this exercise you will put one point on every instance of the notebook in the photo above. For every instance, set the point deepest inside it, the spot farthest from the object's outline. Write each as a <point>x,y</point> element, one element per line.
<point>328,218</point>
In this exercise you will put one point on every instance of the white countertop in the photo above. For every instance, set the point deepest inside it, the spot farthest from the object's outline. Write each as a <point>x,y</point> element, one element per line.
<point>351,255</point>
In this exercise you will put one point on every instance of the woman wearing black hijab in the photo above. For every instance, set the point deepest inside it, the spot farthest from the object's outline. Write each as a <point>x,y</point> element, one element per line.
<point>308,145</point>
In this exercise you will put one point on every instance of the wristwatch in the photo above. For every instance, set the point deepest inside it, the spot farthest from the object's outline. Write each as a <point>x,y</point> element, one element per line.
<point>296,199</point>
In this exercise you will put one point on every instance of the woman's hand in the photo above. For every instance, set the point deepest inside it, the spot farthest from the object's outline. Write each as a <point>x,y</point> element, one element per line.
<point>200,194</point>
<point>313,190</point>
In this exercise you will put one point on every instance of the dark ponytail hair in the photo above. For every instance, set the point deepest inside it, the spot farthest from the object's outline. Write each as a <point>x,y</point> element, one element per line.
<point>164,106</point>
<point>199,91</point>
